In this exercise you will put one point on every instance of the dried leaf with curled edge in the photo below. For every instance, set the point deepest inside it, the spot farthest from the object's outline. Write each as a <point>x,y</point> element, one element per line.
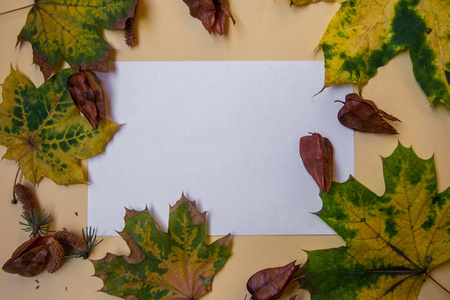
<point>393,241</point>
<point>212,13</point>
<point>87,95</point>
<point>44,131</point>
<point>317,157</point>
<point>71,30</point>
<point>269,284</point>
<point>365,35</point>
<point>173,265</point>
<point>363,115</point>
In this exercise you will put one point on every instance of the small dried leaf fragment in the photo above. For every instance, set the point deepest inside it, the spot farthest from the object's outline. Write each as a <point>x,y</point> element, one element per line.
<point>87,95</point>
<point>269,284</point>
<point>212,13</point>
<point>316,153</point>
<point>363,115</point>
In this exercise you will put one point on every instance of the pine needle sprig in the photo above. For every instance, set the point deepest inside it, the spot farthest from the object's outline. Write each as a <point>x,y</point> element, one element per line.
<point>90,238</point>
<point>36,222</point>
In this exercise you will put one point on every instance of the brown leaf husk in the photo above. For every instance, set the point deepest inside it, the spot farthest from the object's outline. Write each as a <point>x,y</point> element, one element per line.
<point>363,115</point>
<point>30,258</point>
<point>316,153</point>
<point>39,253</point>
<point>269,284</point>
<point>212,13</point>
<point>87,95</point>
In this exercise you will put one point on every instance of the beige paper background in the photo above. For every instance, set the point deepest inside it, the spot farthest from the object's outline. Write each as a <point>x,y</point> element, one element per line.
<point>265,30</point>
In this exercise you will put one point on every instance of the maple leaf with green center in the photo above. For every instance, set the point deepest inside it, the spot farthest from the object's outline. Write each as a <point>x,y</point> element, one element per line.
<point>70,29</point>
<point>365,34</point>
<point>162,266</point>
<point>44,131</point>
<point>393,240</point>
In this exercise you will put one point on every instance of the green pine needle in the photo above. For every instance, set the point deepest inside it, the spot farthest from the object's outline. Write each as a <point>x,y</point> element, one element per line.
<point>36,223</point>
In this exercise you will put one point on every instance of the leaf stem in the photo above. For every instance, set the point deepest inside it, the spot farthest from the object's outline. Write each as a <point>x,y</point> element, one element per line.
<point>440,285</point>
<point>16,9</point>
<point>14,199</point>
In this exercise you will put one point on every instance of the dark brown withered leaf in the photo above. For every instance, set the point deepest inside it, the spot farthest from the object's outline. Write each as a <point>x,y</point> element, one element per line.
<point>316,153</point>
<point>363,115</point>
<point>212,13</point>
<point>87,95</point>
<point>269,284</point>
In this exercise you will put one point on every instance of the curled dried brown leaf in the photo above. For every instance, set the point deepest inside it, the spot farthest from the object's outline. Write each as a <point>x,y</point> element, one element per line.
<point>87,95</point>
<point>212,13</point>
<point>363,115</point>
<point>269,284</point>
<point>316,153</point>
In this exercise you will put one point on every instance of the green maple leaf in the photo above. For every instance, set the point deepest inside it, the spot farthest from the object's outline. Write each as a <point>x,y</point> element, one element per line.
<point>44,131</point>
<point>393,240</point>
<point>70,29</point>
<point>365,34</point>
<point>173,265</point>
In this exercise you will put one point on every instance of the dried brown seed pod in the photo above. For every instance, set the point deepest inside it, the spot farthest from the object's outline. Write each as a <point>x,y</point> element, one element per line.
<point>30,258</point>
<point>363,115</point>
<point>71,239</point>
<point>269,284</point>
<point>56,256</point>
<point>26,199</point>
<point>316,153</point>
<point>87,95</point>
<point>130,37</point>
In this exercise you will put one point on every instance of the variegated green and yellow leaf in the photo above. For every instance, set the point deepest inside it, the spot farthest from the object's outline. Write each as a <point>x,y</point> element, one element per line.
<point>393,240</point>
<point>70,30</point>
<point>178,264</point>
<point>365,34</point>
<point>44,131</point>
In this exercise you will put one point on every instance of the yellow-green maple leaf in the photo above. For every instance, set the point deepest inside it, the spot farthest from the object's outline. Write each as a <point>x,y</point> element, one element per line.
<point>393,240</point>
<point>70,29</point>
<point>44,131</point>
<point>365,34</point>
<point>178,264</point>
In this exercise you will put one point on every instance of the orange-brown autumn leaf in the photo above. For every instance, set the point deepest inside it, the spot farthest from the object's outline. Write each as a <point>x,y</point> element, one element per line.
<point>178,264</point>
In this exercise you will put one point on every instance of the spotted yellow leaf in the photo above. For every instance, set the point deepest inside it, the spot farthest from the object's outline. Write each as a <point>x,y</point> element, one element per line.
<point>70,29</point>
<point>366,34</point>
<point>393,240</point>
<point>44,131</point>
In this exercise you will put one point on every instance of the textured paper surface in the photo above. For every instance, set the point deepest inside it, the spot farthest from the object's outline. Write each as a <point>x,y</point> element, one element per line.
<point>225,134</point>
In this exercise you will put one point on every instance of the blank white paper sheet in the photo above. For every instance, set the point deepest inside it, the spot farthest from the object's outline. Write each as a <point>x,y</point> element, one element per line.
<point>226,134</point>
